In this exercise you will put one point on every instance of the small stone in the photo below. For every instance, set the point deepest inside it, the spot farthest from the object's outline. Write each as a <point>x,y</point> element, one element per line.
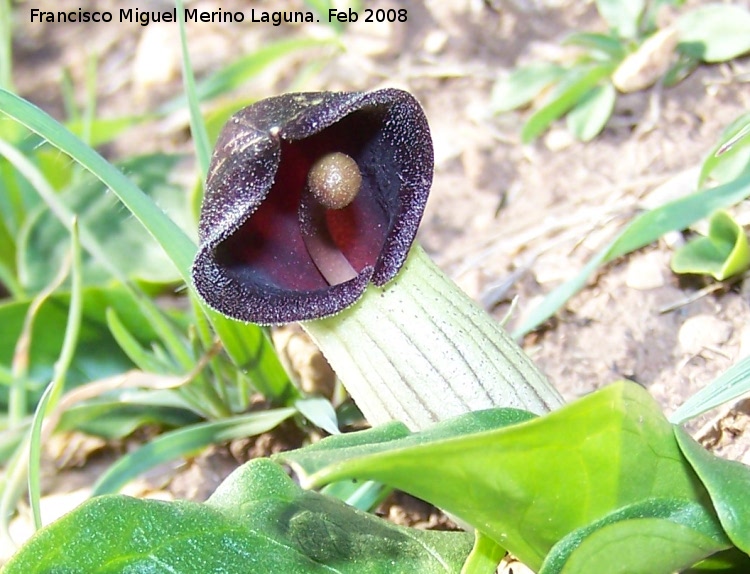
<point>701,332</point>
<point>157,57</point>
<point>558,139</point>
<point>435,41</point>
<point>645,272</point>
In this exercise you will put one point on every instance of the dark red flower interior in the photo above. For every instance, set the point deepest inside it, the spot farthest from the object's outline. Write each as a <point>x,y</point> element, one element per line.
<point>269,247</point>
<point>270,251</point>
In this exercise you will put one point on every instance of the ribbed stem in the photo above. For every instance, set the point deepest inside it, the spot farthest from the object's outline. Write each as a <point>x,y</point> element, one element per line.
<point>418,350</point>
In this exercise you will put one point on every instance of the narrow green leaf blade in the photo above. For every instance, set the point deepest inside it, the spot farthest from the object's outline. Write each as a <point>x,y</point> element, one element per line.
<point>729,385</point>
<point>606,44</point>
<point>176,244</point>
<point>184,441</point>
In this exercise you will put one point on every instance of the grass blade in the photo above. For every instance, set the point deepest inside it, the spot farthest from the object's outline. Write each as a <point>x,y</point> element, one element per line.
<point>197,126</point>
<point>185,441</point>
<point>643,230</point>
<point>176,244</point>
<point>728,386</point>
<point>54,390</point>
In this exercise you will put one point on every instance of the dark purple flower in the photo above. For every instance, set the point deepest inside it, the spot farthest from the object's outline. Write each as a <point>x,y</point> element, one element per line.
<point>309,198</point>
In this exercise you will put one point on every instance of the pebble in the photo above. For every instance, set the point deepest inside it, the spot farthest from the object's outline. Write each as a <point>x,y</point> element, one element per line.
<point>645,271</point>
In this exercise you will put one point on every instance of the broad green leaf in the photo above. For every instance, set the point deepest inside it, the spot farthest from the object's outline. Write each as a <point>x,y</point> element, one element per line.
<point>184,442</point>
<point>523,84</point>
<point>119,235</point>
<point>715,32</point>
<point>589,116</point>
<point>729,385</point>
<point>526,485</point>
<point>724,252</point>
<point>728,485</point>
<point>641,231</point>
<point>257,521</point>
<point>657,536</point>
<point>730,157</point>
<point>623,16</point>
<point>606,44</point>
<point>566,94</point>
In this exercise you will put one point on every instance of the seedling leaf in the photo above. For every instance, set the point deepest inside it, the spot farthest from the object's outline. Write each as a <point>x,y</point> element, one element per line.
<point>523,85</point>
<point>589,116</point>
<point>570,90</point>
<point>724,252</point>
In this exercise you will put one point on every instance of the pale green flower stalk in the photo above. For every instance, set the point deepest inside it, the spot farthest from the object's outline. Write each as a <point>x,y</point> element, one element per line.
<point>419,350</point>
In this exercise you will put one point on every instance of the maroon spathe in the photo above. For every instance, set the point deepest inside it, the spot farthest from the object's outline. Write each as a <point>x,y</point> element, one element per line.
<point>252,262</point>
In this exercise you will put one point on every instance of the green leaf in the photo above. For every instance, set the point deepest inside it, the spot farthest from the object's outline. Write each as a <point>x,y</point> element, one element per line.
<point>525,485</point>
<point>185,441</point>
<point>657,536</point>
<point>119,416</point>
<point>589,116</point>
<point>729,159</point>
<point>731,561</point>
<point>119,235</point>
<point>731,384</point>
<point>722,254</point>
<point>715,33</point>
<point>644,229</point>
<point>606,44</point>
<point>257,521</point>
<point>485,556</point>
<point>727,482</point>
<point>570,90</point>
<point>522,85</point>
<point>623,16</point>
